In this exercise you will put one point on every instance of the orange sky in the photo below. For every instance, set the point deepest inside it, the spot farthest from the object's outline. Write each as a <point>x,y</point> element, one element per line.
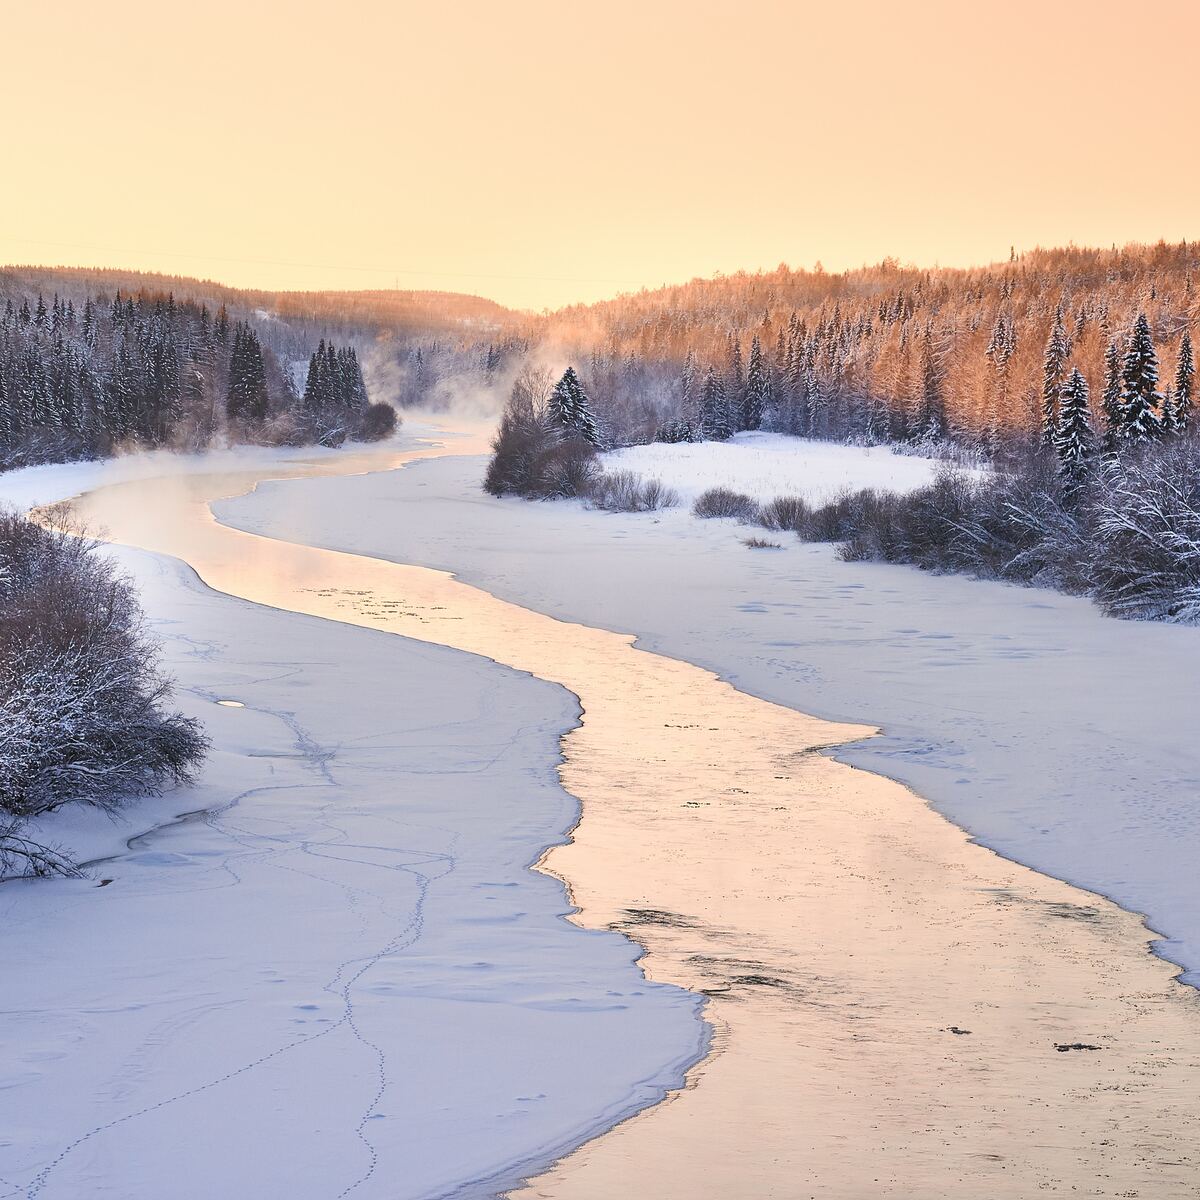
<point>541,152</point>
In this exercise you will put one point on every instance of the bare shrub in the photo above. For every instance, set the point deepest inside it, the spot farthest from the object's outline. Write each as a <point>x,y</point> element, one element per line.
<point>22,857</point>
<point>625,491</point>
<point>757,543</point>
<point>378,421</point>
<point>723,502</point>
<point>785,513</point>
<point>564,470</point>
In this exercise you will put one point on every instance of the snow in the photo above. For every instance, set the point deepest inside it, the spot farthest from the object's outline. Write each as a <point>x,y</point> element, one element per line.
<point>766,465</point>
<point>1059,737</point>
<point>337,932</point>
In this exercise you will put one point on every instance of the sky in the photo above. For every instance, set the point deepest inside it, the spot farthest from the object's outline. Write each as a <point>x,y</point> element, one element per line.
<point>546,153</point>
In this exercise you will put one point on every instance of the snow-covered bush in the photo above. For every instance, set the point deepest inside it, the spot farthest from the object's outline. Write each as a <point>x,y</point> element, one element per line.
<point>84,711</point>
<point>1007,526</point>
<point>724,502</point>
<point>1127,533</point>
<point>1147,535</point>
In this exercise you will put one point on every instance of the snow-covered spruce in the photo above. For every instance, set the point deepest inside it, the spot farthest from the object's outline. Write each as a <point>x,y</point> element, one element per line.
<point>1073,437</point>
<point>83,705</point>
<point>1139,413</point>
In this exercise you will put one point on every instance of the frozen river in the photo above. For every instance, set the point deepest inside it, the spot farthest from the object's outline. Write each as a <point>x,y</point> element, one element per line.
<point>341,977</point>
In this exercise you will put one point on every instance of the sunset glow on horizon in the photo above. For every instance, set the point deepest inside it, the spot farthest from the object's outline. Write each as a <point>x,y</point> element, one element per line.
<point>541,153</point>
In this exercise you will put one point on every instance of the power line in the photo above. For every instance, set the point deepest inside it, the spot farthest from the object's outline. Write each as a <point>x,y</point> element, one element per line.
<point>384,270</point>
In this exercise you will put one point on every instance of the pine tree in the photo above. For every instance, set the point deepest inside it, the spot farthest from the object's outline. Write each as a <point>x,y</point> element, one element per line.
<point>1074,440</point>
<point>1185,368</point>
<point>1054,364</point>
<point>1140,397</point>
<point>758,388</point>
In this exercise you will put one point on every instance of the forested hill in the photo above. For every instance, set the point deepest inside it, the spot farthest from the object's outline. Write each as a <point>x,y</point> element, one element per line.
<point>96,361</point>
<point>884,352</point>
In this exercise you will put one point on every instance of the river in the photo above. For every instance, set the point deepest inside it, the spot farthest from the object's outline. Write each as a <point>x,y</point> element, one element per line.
<point>894,1010</point>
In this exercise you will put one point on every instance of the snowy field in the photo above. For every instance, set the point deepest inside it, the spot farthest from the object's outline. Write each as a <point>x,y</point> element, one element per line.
<point>1062,738</point>
<point>766,465</point>
<point>339,935</point>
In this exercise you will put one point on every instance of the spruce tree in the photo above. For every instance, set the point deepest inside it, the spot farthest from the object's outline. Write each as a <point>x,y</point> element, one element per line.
<point>933,416</point>
<point>313,399</point>
<point>735,391</point>
<point>247,397</point>
<point>688,406</point>
<point>1074,440</point>
<point>1054,364</point>
<point>714,413</point>
<point>1185,369</point>
<point>1111,406</point>
<point>570,409</point>
<point>758,388</point>
<point>1140,397</point>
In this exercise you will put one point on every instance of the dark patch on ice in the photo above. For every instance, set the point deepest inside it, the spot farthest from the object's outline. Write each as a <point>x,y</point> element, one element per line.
<point>1073,912</point>
<point>759,981</point>
<point>655,916</point>
<point>1059,909</point>
<point>1063,1047</point>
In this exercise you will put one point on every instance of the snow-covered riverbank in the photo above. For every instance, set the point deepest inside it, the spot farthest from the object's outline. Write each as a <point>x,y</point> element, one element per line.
<point>340,975</point>
<point>1059,737</point>
<point>766,465</point>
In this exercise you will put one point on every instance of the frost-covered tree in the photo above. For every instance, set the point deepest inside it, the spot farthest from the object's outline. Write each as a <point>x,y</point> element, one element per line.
<point>688,400</point>
<point>1054,365</point>
<point>1110,407</point>
<point>1074,440</point>
<point>714,409</point>
<point>931,419</point>
<point>570,409</point>
<point>735,389</point>
<point>1178,415</point>
<point>247,397</point>
<point>1140,397</point>
<point>758,388</point>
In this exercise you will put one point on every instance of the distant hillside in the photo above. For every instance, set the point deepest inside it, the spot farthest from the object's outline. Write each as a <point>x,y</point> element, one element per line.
<point>404,311</point>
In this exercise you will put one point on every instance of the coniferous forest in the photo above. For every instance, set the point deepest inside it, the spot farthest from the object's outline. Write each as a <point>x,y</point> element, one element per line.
<point>88,369</point>
<point>891,353</point>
